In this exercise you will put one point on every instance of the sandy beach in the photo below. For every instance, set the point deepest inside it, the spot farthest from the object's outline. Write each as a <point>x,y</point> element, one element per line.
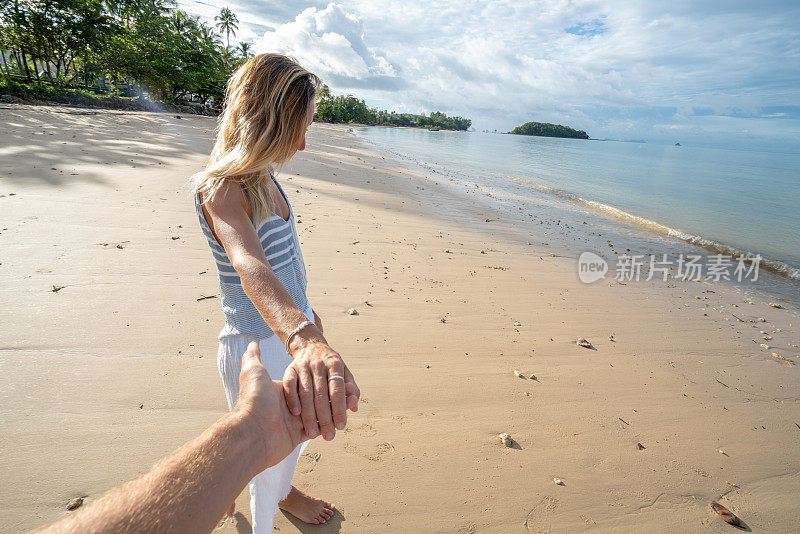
<point>110,313</point>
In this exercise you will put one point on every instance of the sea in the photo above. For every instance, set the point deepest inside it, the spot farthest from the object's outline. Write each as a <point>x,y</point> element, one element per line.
<point>728,202</point>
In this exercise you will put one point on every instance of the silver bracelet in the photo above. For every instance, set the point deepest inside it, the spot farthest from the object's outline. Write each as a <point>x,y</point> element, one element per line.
<point>295,331</point>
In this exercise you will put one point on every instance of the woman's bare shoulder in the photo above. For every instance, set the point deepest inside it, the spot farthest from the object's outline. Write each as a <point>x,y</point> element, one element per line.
<point>229,196</point>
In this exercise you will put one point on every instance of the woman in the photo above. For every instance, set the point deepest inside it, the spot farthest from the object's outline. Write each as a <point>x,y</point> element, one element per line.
<point>249,225</point>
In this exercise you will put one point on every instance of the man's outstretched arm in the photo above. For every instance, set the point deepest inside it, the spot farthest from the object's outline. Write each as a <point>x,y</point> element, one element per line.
<point>189,490</point>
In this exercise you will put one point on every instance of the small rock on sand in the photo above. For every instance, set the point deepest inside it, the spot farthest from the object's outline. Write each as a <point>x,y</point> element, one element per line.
<point>762,320</point>
<point>518,374</point>
<point>583,342</point>
<point>443,319</point>
<point>558,481</point>
<point>517,323</point>
<point>506,440</point>
<point>775,305</point>
<point>77,502</point>
<point>352,311</point>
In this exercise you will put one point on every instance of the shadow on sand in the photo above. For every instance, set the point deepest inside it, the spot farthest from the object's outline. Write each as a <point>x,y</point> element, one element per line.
<point>56,141</point>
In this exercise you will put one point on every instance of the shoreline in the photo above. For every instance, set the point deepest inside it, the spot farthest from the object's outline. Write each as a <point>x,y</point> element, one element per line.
<point>103,376</point>
<point>783,278</point>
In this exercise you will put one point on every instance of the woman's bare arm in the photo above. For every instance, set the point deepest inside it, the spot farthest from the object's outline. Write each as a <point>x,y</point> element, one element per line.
<point>322,404</point>
<point>227,216</point>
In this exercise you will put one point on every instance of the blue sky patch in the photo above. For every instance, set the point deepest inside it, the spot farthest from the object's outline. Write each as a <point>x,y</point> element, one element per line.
<point>587,29</point>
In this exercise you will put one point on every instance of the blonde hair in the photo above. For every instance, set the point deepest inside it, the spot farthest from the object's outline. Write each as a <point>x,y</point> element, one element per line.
<point>264,122</point>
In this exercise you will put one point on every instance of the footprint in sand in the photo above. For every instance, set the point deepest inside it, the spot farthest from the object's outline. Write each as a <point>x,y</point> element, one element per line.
<point>367,430</point>
<point>377,453</point>
<point>380,450</point>
<point>307,462</point>
<point>538,519</point>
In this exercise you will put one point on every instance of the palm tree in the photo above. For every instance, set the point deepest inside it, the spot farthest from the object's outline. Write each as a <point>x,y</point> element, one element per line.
<point>181,22</point>
<point>227,23</point>
<point>244,50</point>
<point>207,34</point>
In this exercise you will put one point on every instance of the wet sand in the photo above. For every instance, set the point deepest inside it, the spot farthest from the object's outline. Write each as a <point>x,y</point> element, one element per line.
<point>118,367</point>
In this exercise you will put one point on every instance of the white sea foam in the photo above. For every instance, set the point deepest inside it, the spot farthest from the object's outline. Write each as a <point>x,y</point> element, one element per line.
<point>714,246</point>
<point>512,176</point>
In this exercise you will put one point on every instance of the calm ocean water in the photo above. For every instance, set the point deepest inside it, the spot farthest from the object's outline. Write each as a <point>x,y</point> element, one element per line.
<point>729,201</point>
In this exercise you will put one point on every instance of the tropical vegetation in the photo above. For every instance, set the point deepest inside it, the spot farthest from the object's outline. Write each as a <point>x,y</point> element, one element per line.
<point>545,129</point>
<point>143,49</point>
<point>349,109</point>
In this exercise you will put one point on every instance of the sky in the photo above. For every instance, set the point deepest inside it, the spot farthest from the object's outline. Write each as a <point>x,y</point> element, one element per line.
<point>716,73</point>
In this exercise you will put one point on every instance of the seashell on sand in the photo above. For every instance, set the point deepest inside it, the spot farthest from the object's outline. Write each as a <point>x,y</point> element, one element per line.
<point>725,514</point>
<point>77,502</point>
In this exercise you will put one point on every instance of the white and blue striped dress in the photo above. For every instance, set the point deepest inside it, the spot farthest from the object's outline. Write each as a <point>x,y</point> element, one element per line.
<point>243,324</point>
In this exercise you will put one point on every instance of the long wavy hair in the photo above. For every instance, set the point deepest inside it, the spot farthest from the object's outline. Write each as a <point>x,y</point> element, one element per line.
<point>262,125</point>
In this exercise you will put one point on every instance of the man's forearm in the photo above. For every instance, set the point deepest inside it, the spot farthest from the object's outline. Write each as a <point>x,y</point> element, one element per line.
<point>187,491</point>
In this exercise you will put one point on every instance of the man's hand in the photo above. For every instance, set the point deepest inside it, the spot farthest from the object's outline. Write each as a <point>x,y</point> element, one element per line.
<point>262,406</point>
<point>189,490</point>
<point>312,389</point>
<point>317,321</point>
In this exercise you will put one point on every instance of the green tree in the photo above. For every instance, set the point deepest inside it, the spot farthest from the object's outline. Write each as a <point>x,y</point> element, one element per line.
<point>349,109</point>
<point>227,23</point>
<point>245,51</point>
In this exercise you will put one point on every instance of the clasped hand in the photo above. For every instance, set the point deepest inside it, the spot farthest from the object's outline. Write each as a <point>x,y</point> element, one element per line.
<point>318,386</point>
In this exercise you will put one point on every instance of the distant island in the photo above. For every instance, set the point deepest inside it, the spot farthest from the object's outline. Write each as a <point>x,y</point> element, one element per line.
<point>545,129</point>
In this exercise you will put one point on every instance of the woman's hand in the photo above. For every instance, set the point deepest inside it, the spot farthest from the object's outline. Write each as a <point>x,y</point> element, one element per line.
<point>311,389</point>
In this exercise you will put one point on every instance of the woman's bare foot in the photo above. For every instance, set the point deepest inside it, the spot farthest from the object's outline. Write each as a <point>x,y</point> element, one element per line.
<point>306,508</point>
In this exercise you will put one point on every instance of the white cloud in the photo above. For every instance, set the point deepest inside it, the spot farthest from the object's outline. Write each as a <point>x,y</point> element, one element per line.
<point>329,42</point>
<point>632,65</point>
